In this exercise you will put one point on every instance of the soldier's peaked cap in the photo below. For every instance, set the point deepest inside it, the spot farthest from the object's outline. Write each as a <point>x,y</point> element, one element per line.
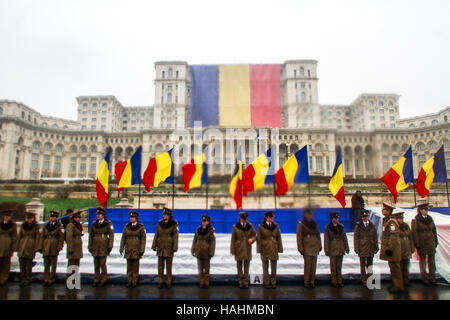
<point>6,212</point>
<point>364,212</point>
<point>69,211</point>
<point>423,205</point>
<point>334,214</point>
<point>388,206</point>
<point>134,214</point>
<point>30,214</point>
<point>101,210</point>
<point>205,217</point>
<point>76,214</point>
<point>243,215</point>
<point>167,211</point>
<point>398,214</point>
<point>269,214</point>
<point>54,213</point>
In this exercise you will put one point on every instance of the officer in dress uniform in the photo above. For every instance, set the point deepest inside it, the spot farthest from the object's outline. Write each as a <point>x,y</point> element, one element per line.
<point>28,244</point>
<point>165,243</point>
<point>203,248</point>
<point>133,243</point>
<point>365,244</point>
<point>391,249</point>
<point>269,244</point>
<point>51,243</point>
<point>242,238</point>
<point>407,247</point>
<point>309,244</point>
<point>425,240</point>
<point>335,246</point>
<point>8,242</point>
<point>74,233</point>
<point>101,242</point>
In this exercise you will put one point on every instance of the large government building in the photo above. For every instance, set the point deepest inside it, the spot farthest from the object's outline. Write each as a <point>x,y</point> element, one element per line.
<point>369,130</point>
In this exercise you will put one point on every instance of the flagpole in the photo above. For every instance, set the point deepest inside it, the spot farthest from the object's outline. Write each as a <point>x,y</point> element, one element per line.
<point>173,194</point>
<point>206,185</point>
<point>139,195</point>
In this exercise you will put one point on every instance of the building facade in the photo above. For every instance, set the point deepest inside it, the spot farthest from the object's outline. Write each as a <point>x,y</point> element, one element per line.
<point>369,130</point>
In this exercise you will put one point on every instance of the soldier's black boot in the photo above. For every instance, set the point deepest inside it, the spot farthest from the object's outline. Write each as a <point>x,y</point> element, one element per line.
<point>128,285</point>
<point>95,284</point>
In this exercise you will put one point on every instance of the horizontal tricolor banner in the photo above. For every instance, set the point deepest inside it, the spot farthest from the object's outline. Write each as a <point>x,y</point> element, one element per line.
<point>236,95</point>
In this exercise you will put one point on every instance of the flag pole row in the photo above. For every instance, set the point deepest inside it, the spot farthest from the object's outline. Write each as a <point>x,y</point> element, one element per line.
<point>260,172</point>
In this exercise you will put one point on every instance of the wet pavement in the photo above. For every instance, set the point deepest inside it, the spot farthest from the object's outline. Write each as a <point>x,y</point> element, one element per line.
<point>417,291</point>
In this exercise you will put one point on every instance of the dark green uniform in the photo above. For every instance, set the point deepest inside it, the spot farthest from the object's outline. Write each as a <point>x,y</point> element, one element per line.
<point>335,246</point>
<point>391,251</point>
<point>133,243</point>
<point>28,244</point>
<point>51,243</point>
<point>101,242</point>
<point>8,242</point>
<point>425,240</point>
<point>203,248</point>
<point>241,249</point>
<point>269,244</point>
<point>165,243</point>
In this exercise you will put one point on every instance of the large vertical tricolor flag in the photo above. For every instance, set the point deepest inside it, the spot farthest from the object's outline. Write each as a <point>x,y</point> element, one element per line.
<point>101,185</point>
<point>294,170</point>
<point>336,184</point>
<point>195,173</point>
<point>236,182</point>
<point>432,170</point>
<point>128,172</point>
<point>159,169</point>
<point>400,175</point>
<point>259,172</point>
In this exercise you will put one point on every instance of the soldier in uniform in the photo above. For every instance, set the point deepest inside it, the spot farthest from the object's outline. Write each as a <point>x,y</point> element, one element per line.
<point>133,243</point>
<point>335,246</point>
<point>269,244</point>
<point>50,244</point>
<point>74,233</point>
<point>101,242</point>
<point>391,250</point>
<point>203,248</point>
<point>242,238</point>
<point>165,243</point>
<point>309,245</point>
<point>408,248</point>
<point>27,245</point>
<point>365,241</point>
<point>8,242</point>
<point>425,240</point>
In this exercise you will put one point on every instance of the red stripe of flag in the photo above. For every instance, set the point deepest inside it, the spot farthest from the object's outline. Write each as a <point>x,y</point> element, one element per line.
<point>247,179</point>
<point>390,179</point>
<point>340,196</point>
<point>188,172</point>
<point>119,169</point>
<point>102,196</point>
<point>149,174</point>
<point>282,186</point>
<point>420,185</point>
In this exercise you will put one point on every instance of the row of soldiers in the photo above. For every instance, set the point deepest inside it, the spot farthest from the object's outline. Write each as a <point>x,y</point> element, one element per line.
<point>397,245</point>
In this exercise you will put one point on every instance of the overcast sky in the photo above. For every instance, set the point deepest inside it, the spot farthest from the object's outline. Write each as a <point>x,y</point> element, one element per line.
<point>53,51</point>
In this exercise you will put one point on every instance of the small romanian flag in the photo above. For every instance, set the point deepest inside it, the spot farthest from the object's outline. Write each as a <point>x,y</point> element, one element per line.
<point>236,182</point>
<point>101,185</point>
<point>195,173</point>
<point>128,172</point>
<point>159,169</point>
<point>432,170</point>
<point>294,170</point>
<point>259,173</point>
<point>336,184</point>
<point>400,175</point>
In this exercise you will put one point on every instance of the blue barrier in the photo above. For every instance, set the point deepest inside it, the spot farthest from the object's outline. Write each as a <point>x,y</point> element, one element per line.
<point>222,220</point>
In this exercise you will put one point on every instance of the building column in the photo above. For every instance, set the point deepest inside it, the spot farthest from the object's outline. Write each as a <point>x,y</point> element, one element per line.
<point>364,167</point>
<point>353,167</point>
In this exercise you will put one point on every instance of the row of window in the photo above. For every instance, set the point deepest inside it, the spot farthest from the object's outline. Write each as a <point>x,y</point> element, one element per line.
<point>381,103</point>
<point>170,74</point>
